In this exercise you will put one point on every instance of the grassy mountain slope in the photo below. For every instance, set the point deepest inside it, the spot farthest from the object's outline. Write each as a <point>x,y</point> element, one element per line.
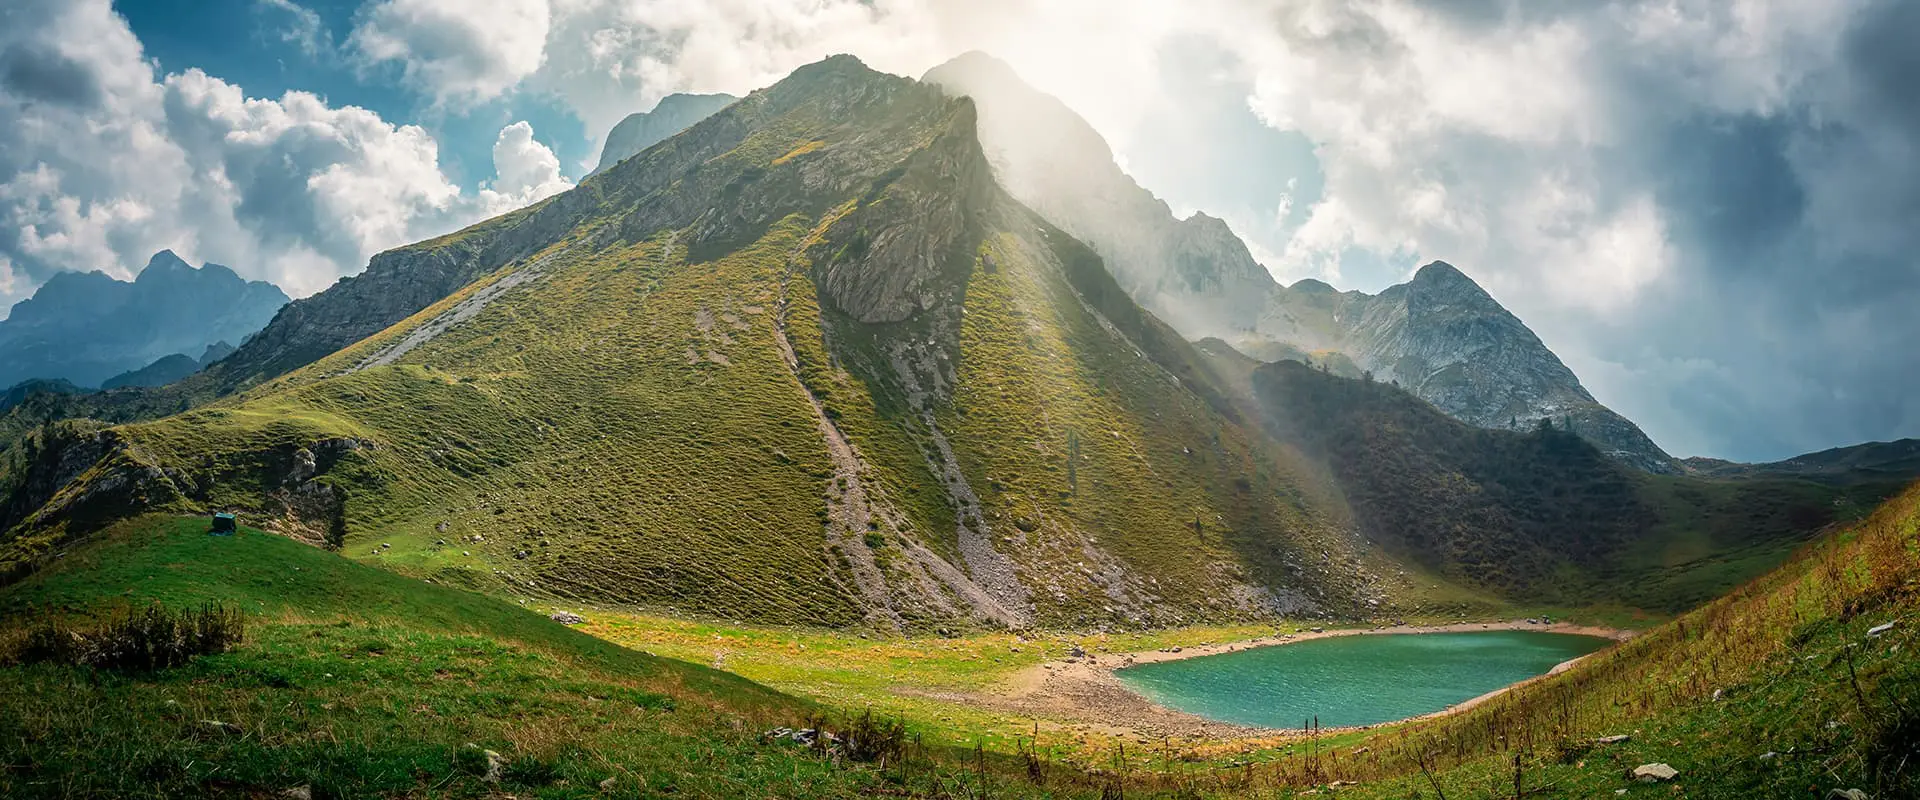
<point>355,682</point>
<point>802,363</point>
<point>1541,516</point>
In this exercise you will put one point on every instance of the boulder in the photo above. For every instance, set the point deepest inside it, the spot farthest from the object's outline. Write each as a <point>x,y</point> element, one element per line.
<point>1654,773</point>
<point>566,618</point>
<point>1614,739</point>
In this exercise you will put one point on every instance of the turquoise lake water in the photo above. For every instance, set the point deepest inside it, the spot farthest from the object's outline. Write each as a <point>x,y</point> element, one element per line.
<point>1353,680</point>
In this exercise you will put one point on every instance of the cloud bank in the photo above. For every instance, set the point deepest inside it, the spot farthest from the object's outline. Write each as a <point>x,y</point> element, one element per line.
<point>105,162</point>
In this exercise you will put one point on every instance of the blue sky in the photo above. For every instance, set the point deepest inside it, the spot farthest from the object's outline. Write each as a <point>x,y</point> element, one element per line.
<point>247,42</point>
<point>1705,207</point>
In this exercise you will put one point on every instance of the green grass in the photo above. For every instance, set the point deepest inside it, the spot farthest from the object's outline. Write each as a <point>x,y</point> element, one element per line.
<point>357,682</point>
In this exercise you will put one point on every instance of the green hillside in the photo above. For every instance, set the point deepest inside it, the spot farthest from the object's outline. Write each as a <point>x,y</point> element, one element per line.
<point>803,363</point>
<point>352,681</point>
<point>1542,516</point>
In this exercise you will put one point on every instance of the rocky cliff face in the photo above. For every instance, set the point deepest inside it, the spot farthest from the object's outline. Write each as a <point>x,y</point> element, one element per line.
<point>1446,340</point>
<point>88,327</point>
<point>1193,273</point>
<point>673,114</point>
<point>1441,336</point>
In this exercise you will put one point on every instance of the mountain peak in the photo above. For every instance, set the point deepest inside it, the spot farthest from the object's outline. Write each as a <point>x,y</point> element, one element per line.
<point>165,261</point>
<point>841,65</point>
<point>1439,272</point>
<point>980,64</point>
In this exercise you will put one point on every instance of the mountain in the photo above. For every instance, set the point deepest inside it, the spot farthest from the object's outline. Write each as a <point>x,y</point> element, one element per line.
<point>1193,273</point>
<point>159,373</point>
<point>803,362</point>
<point>808,362</point>
<point>1440,335</point>
<point>88,327</point>
<point>170,368</point>
<point>20,392</point>
<point>1543,514</point>
<point>1447,341</point>
<point>1885,460</point>
<point>673,114</point>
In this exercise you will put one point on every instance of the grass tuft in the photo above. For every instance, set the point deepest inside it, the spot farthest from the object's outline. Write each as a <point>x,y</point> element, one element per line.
<point>151,638</point>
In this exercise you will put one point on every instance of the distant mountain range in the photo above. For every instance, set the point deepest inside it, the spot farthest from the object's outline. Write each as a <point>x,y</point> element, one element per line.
<point>88,328</point>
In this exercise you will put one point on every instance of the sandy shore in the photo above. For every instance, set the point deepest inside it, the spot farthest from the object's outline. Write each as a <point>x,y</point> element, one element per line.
<point>1083,694</point>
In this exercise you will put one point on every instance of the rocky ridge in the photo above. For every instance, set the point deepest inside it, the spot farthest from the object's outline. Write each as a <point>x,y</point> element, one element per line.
<point>1439,335</point>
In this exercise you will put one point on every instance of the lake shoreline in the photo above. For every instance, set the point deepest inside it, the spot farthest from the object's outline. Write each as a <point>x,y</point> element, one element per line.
<point>1088,693</point>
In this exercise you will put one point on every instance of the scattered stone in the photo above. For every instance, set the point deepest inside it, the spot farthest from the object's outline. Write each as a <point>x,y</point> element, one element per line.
<point>1173,649</point>
<point>496,766</point>
<point>1654,773</point>
<point>1875,631</point>
<point>298,793</point>
<point>566,618</point>
<point>805,736</point>
<point>217,726</point>
<point>607,785</point>
<point>1614,739</point>
<point>1848,794</point>
<point>1769,756</point>
<point>1077,652</point>
<point>1318,630</point>
<point>1717,694</point>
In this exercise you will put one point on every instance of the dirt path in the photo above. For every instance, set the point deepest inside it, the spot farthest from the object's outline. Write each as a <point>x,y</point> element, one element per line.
<point>1084,694</point>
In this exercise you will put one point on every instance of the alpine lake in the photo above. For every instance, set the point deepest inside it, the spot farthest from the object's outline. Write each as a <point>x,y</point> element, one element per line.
<point>1342,681</point>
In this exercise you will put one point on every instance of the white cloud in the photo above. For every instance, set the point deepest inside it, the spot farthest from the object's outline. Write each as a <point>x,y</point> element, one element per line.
<point>300,27</point>
<point>118,164</point>
<point>528,171</point>
<point>456,50</point>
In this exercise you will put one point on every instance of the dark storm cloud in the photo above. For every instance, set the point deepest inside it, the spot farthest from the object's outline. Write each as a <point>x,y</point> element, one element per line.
<point>33,72</point>
<point>1728,186</point>
<point>1884,51</point>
